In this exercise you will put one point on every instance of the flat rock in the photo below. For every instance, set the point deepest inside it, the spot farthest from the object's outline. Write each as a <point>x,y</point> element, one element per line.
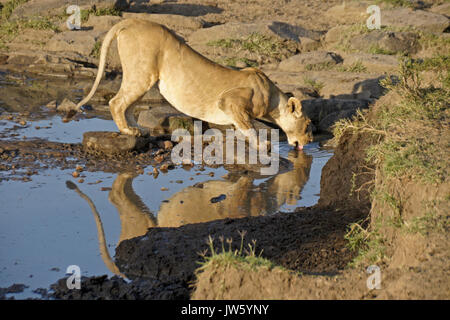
<point>349,12</point>
<point>392,42</point>
<point>334,84</point>
<point>301,61</point>
<point>113,142</point>
<point>102,23</point>
<point>47,7</point>
<point>378,63</point>
<point>181,24</point>
<point>443,9</point>
<point>239,30</point>
<point>420,19</point>
<point>81,41</point>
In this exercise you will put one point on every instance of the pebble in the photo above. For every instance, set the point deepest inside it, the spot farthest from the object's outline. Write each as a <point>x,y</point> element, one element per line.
<point>51,104</point>
<point>164,167</point>
<point>159,158</point>
<point>164,189</point>
<point>79,168</point>
<point>75,174</point>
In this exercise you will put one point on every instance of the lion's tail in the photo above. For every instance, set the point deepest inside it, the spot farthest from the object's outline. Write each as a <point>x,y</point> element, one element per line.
<point>112,33</point>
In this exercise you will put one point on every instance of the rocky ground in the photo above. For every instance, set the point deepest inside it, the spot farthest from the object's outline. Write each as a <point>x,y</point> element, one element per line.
<point>319,51</point>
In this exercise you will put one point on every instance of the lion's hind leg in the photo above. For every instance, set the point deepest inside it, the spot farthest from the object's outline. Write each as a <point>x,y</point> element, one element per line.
<point>122,106</point>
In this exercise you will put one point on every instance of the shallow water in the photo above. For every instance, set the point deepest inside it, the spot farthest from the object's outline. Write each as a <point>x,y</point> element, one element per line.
<point>46,226</point>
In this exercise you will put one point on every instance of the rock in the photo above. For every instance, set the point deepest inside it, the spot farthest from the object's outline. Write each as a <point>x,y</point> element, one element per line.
<point>51,105</point>
<point>218,198</point>
<point>56,7</point>
<point>3,58</point>
<point>166,119</point>
<point>379,63</point>
<point>389,42</point>
<point>349,12</point>
<point>239,30</point>
<point>66,105</point>
<point>335,34</point>
<point>319,109</point>
<point>307,44</point>
<point>301,61</point>
<point>103,23</point>
<point>166,144</point>
<point>419,19</point>
<point>181,24</point>
<point>113,142</point>
<point>331,84</point>
<point>327,123</point>
<point>82,41</point>
<point>443,9</point>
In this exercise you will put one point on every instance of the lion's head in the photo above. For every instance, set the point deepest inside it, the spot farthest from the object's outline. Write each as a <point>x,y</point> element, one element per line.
<point>295,124</point>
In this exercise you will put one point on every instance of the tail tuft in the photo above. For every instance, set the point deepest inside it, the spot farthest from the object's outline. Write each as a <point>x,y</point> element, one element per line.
<point>71,185</point>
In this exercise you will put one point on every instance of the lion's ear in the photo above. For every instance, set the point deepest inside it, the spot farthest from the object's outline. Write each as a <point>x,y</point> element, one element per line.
<point>295,106</point>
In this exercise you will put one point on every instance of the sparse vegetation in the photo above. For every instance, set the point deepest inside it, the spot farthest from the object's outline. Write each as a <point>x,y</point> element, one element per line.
<point>315,85</point>
<point>323,66</point>
<point>369,244</point>
<point>233,61</point>
<point>242,257</point>
<point>10,29</point>
<point>357,66</point>
<point>9,6</point>
<point>397,3</point>
<point>375,49</point>
<point>99,12</point>
<point>257,43</point>
<point>413,143</point>
<point>96,49</point>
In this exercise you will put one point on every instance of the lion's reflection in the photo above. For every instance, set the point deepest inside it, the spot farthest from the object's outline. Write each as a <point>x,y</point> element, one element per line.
<point>243,197</point>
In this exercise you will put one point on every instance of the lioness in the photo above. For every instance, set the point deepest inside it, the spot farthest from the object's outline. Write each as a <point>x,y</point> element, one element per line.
<point>194,85</point>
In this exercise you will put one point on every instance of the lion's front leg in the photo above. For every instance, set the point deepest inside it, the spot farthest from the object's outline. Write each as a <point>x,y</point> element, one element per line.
<point>237,104</point>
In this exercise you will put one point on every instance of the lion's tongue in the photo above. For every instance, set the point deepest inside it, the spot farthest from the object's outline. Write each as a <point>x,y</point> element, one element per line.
<point>299,147</point>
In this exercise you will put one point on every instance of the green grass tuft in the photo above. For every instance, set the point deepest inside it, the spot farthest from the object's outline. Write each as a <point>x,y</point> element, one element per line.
<point>242,257</point>
<point>9,6</point>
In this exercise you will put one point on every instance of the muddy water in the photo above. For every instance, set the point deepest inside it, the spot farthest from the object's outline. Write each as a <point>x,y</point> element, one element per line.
<point>45,226</point>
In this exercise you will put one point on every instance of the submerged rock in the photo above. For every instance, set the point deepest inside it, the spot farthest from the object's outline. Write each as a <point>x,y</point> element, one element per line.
<point>66,105</point>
